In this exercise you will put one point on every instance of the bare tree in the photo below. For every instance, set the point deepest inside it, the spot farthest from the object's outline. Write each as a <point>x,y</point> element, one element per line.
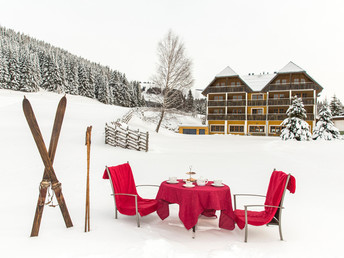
<point>173,75</point>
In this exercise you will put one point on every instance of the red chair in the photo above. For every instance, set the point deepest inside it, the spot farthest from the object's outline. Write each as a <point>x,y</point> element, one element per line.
<point>127,201</point>
<point>272,213</point>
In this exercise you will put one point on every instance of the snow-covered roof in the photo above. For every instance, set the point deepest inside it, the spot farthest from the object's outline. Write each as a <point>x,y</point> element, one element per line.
<point>226,72</point>
<point>257,82</point>
<point>291,68</point>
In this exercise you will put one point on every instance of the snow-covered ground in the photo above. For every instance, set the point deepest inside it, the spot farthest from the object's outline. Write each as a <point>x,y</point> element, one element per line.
<point>244,163</point>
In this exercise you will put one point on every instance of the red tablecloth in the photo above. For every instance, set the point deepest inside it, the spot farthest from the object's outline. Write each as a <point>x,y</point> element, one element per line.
<point>196,201</point>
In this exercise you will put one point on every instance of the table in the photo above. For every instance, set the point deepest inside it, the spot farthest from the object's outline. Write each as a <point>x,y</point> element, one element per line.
<point>195,201</point>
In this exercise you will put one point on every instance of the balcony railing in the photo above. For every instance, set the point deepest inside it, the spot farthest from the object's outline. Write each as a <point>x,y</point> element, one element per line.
<point>216,103</point>
<point>277,116</point>
<point>236,103</point>
<point>214,89</point>
<point>259,117</point>
<point>293,86</point>
<point>279,102</point>
<point>239,117</point>
<point>257,102</point>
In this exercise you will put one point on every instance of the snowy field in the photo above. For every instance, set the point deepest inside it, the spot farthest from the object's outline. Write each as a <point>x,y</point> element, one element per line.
<point>244,163</point>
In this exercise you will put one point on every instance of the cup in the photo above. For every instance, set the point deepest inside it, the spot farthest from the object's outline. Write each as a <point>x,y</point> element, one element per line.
<point>172,179</point>
<point>218,182</point>
<point>188,183</point>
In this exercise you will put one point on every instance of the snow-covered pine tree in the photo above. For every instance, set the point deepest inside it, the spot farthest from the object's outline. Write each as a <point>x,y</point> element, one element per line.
<point>336,106</point>
<point>325,128</point>
<point>102,88</point>
<point>4,74</point>
<point>51,78</point>
<point>27,78</point>
<point>72,78</point>
<point>189,103</point>
<point>13,67</point>
<point>295,127</point>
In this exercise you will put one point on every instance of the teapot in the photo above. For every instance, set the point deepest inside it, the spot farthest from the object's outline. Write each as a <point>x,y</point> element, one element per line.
<point>201,181</point>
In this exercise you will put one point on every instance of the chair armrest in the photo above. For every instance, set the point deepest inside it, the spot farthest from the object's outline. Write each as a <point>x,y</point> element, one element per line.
<point>147,185</point>
<point>125,194</point>
<point>262,205</point>
<point>235,195</point>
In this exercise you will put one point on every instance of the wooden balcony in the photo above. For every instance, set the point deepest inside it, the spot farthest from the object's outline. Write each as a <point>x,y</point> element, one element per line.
<point>279,102</point>
<point>293,86</point>
<point>281,117</point>
<point>257,117</point>
<point>216,117</point>
<point>256,102</point>
<point>236,103</point>
<point>277,116</point>
<point>237,117</point>
<point>308,101</point>
<point>216,103</point>
<point>218,89</point>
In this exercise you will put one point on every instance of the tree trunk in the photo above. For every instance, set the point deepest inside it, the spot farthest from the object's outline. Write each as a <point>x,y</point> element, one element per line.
<point>161,118</point>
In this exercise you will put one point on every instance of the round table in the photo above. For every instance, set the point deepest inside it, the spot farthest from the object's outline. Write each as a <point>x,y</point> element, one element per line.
<point>195,201</point>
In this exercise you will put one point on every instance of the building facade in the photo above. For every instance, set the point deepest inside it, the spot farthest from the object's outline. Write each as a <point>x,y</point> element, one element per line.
<point>257,104</point>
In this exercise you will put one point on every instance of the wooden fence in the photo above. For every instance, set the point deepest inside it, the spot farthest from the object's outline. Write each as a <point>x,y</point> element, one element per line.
<point>118,135</point>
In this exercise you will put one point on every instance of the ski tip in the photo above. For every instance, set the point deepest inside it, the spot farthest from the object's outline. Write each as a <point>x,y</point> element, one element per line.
<point>24,97</point>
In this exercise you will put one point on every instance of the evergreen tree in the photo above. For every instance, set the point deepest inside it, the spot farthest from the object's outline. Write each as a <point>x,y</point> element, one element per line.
<point>200,106</point>
<point>325,128</point>
<point>72,78</point>
<point>13,68</point>
<point>189,102</point>
<point>4,74</point>
<point>51,77</point>
<point>295,127</point>
<point>336,106</point>
<point>28,82</point>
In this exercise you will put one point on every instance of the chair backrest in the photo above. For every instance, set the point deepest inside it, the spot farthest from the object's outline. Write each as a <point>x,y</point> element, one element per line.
<point>279,183</point>
<point>122,181</point>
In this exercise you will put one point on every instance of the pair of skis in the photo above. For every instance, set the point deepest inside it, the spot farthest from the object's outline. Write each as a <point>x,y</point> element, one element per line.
<point>49,176</point>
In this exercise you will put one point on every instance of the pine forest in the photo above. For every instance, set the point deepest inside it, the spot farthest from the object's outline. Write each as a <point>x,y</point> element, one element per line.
<point>27,64</point>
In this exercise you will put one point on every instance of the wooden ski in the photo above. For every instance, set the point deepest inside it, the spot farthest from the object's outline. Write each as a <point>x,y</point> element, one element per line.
<point>87,209</point>
<point>49,175</point>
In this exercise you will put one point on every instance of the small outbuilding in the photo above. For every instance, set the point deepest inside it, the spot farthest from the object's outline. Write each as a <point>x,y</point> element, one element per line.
<point>339,123</point>
<point>194,129</point>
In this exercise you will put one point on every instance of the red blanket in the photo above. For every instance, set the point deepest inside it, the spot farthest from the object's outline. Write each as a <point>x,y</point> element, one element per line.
<point>123,182</point>
<point>273,197</point>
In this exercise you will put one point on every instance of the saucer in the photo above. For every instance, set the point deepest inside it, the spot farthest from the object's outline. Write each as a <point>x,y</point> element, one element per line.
<point>172,182</point>
<point>218,185</point>
<point>188,186</point>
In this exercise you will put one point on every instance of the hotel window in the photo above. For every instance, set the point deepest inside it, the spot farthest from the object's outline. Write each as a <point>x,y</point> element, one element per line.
<point>237,97</point>
<point>278,82</point>
<point>281,111</point>
<point>222,84</point>
<point>238,83</point>
<point>303,80</point>
<point>258,111</point>
<point>296,81</point>
<point>232,83</point>
<point>275,129</point>
<point>257,96</point>
<point>236,128</point>
<point>217,128</point>
<point>284,81</point>
<point>304,95</point>
<point>218,111</point>
<point>218,97</point>
<point>257,129</point>
<point>275,110</point>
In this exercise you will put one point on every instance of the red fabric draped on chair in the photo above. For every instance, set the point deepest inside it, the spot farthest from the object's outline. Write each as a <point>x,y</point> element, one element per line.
<point>123,182</point>
<point>274,197</point>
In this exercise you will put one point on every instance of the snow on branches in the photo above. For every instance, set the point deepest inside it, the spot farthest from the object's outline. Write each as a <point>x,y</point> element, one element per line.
<point>295,127</point>
<point>325,128</point>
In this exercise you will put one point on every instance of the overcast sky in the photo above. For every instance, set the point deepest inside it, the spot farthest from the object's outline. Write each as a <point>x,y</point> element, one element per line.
<point>249,36</point>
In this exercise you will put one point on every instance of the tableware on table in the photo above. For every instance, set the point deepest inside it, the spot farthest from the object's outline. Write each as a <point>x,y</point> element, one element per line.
<point>218,185</point>
<point>218,182</point>
<point>172,182</point>
<point>191,173</point>
<point>202,181</point>
<point>188,184</point>
<point>172,179</point>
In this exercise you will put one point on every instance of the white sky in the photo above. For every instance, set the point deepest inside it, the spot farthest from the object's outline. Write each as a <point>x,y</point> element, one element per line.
<point>249,36</point>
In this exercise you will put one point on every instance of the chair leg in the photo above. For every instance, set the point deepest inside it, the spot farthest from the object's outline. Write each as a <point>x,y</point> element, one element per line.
<point>137,212</point>
<point>246,225</point>
<point>194,232</point>
<point>280,230</point>
<point>116,213</point>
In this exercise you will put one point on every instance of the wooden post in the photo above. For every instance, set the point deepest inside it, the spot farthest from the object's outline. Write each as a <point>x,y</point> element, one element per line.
<point>87,211</point>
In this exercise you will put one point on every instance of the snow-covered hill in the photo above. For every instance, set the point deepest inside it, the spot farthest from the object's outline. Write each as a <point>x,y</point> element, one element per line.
<point>244,163</point>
